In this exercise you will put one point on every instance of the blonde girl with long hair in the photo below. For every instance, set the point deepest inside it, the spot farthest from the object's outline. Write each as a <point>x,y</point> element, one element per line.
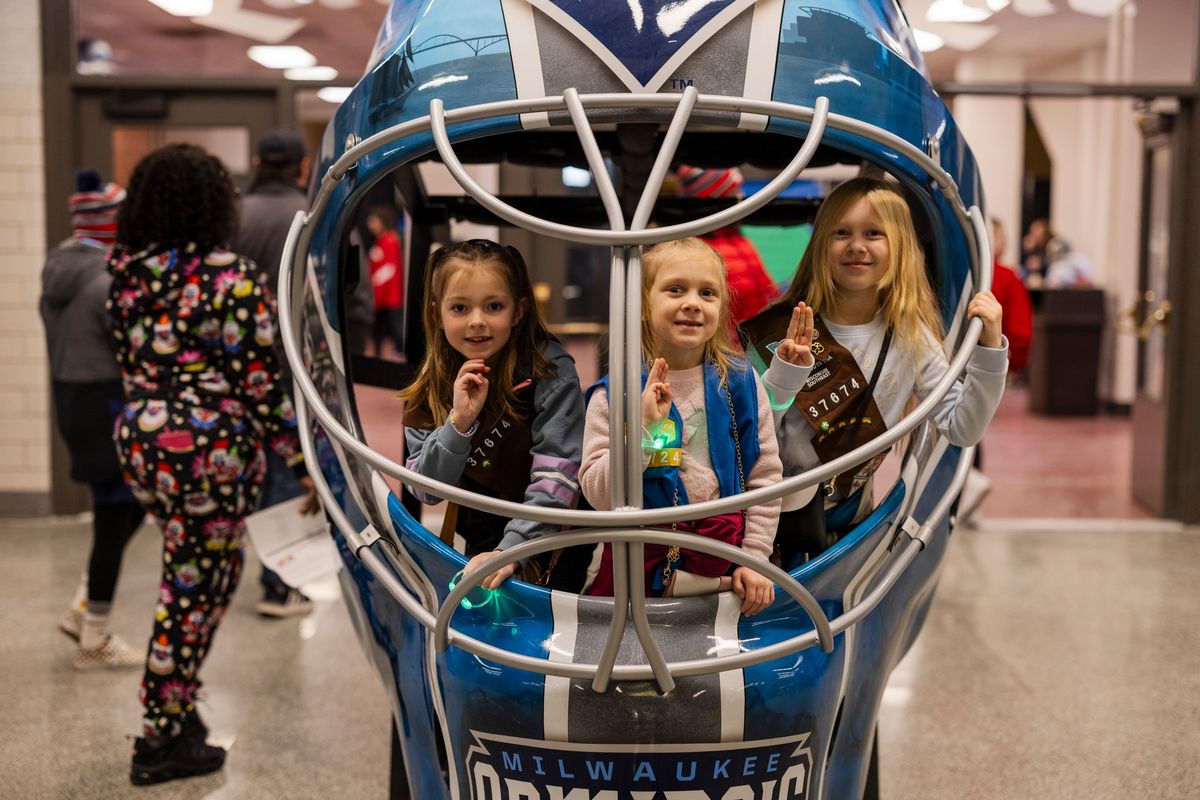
<point>877,345</point>
<point>707,428</point>
<point>495,407</point>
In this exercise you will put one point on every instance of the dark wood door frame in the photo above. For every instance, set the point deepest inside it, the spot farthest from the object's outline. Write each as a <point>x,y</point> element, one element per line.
<point>1182,486</point>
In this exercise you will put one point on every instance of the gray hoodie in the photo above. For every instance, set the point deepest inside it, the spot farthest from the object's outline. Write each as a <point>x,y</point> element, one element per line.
<point>74,291</point>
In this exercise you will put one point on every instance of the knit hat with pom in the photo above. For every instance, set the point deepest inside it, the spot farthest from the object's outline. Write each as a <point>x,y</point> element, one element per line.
<point>94,207</point>
<point>709,183</point>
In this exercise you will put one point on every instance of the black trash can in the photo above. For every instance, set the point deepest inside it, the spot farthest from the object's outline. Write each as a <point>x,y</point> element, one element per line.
<point>1064,357</point>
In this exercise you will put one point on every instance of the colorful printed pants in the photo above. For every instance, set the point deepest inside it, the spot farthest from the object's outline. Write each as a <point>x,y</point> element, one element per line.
<point>199,473</point>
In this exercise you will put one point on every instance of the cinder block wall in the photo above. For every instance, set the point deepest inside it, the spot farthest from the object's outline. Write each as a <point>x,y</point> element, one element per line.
<point>24,394</point>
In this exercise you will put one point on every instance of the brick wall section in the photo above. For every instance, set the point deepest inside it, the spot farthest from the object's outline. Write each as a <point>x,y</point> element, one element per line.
<point>24,392</point>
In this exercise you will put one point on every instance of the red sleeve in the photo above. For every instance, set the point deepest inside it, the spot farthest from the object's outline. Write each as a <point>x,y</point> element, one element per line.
<point>387,273</point>
<point>1017,322</point>
<point>750,285</point>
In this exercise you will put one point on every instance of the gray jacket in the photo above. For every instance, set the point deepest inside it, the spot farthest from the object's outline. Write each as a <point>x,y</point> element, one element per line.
<point>266,218</point>
<point>74,292</point>
<point>557,449</point>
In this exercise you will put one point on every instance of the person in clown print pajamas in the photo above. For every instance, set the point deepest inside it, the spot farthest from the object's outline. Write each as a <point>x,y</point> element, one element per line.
<point>195,346</point>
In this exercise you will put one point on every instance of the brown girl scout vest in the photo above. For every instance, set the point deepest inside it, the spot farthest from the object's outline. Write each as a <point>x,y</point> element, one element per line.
<point>498,465</point>
<point>837,400</point>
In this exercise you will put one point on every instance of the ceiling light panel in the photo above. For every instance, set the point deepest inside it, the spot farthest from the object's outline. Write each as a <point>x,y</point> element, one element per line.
<point>1096,8</point>
<point>287,56</point>
<point>1033,8</point>
<point>310,73</point>
<point>185,8</point>
<point>927,42</point>
<point>334,94</point>
<point>229,16</point>
<point>955,11</point>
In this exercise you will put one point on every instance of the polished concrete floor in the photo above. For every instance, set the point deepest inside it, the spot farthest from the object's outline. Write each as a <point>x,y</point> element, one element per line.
<point>1059,661</point>
<point>1058,467</point>
<point>305,714</point>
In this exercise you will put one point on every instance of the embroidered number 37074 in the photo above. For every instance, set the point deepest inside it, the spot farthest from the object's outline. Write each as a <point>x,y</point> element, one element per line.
<point>834,397</point>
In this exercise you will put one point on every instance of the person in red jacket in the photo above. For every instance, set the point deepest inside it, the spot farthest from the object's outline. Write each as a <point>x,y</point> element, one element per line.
<point>750,287</point>
<point>1017,323</point>
<point>387,278</point>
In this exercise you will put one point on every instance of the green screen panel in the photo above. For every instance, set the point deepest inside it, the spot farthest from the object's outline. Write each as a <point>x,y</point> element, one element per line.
<point>780,248</point>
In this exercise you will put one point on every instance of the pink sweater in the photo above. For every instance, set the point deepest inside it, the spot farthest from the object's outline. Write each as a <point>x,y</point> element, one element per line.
<point>699,479</point>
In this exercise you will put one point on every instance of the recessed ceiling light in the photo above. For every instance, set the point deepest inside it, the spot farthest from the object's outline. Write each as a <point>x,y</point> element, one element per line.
<point>185,8</point>
<point>281,56</point>
<point>955,11</point>
<point>334,94</point>
<point>1096,8</point>
<point>1033,8</point>
<point>927,42</point>
<point>310,73</point>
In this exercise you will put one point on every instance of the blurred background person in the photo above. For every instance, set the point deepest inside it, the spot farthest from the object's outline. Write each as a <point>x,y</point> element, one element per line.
<point>1048,260</point>
<point>194,326</point>
<point>1033,253</point>
<point>387,277</point>
<point>1017,322</point>
<point>87,398</point>
<point>751,288</point>
<point>268,208</point>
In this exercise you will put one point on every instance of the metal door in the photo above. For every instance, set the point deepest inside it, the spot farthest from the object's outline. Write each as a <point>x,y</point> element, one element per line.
<point>1151,317</point>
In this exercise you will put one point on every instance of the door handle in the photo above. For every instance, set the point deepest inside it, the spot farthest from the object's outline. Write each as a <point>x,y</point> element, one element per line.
<point>1127,321</point>
<point>1160,316</point>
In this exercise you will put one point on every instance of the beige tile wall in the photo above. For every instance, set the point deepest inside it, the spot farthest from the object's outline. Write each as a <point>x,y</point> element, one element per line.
<point>24,396</point>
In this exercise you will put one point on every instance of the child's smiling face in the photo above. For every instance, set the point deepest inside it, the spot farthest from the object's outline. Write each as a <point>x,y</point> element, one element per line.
<point>478,311</point>
<point>684,304</point>
<point>859,253</point>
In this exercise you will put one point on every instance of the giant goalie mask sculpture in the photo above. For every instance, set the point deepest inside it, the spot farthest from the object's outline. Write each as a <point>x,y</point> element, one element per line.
<point>528,693</point>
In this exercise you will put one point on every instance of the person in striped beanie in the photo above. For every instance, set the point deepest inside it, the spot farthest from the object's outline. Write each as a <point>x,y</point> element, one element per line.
<point>94,207</point>
<point>87,396</point>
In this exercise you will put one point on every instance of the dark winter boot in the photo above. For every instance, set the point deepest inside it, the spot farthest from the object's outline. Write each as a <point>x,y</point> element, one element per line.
<point>159,758</point>
<point>194,727</point>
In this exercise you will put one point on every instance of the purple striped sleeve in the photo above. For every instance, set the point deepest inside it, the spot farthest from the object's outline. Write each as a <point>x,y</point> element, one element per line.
<point>553,488</point>
<point>566,466</point>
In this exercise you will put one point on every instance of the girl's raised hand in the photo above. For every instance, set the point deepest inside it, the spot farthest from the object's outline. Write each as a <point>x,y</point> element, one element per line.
<point>470,392</point>
<point>656,397</point>
<point>796,347</point>
<point>985,306</point>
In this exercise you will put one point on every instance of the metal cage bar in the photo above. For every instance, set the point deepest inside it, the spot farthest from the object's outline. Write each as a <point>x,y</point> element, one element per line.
<point>297,246</point>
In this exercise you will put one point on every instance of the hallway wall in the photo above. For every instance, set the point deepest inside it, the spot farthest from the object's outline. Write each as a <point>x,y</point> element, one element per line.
<point>24,391</point>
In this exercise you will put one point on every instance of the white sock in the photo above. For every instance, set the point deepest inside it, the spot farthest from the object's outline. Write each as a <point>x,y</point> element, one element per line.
<point>80,596</point>
<point>95,630</point>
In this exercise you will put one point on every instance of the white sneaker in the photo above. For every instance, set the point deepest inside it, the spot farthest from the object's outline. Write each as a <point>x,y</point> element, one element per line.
<point>115,652</point>
<point>292,604</point>
<point>974,491</point>
<point>71,622</point>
